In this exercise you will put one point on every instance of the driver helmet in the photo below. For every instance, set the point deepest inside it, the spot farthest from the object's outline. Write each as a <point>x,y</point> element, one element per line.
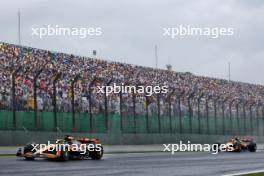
<point>68,138</point>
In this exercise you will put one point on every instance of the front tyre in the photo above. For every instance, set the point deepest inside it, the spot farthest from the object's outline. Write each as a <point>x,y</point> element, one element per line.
<point>29,149</point>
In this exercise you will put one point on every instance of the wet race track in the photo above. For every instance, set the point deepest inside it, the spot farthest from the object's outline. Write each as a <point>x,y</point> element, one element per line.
<point>182,164</point>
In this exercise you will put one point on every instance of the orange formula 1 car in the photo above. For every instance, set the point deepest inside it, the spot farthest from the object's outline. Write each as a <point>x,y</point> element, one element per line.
<point>64,149</point>
<point>236,144</point>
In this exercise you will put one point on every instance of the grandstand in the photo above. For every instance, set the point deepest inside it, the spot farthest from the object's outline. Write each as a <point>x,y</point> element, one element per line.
<point>39,85</point>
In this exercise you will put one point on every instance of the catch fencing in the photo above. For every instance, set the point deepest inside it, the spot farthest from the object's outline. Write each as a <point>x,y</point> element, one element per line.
<point>176,113</point>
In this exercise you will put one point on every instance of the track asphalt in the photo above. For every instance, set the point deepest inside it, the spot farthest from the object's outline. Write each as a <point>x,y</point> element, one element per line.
<point>139,164</point>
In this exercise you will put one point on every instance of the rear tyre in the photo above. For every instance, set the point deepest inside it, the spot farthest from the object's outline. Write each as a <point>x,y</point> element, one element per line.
<point>64,155</point>
<point>97,155</point>
<point>237,146</point>
<point>216,146</point>
<point>252,147</point>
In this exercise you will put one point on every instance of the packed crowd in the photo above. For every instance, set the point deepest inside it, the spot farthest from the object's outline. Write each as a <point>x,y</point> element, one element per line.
<point>29,63</point>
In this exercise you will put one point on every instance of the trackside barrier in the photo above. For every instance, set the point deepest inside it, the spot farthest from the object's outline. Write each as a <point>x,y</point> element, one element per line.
<point>25,120</point>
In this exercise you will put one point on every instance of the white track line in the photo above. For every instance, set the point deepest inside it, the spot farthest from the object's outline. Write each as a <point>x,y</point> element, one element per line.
<point>243,173</point>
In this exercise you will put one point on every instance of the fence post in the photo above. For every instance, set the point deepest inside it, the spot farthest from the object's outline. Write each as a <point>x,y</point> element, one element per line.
<point>90,109</point>
<point>207,113</point>
<point>223,114</point>
<point>134,112</point>
<point>57,76</point>
<point>263,117</point>
<point>14,98</point>
<point>237,115</point>
<point>106,106</point>
<point>35,99</point>
<point>169,108</point>
<point>251,117</point>
<point>190,114</point>
<point>244,115</point>
<point>90,105</point>
<point>13,89</point>
<point>169,104</point>
<point>223,117</point>
<point>199,113</point>
<point>158,106</point>
<point>147,113</point>
<point>121,111</point>
<point>180,115</point>
<point>179,107</point>
<point>73,103</point>
<point>230,114</point>
<point>257,112</point>
<point>106,110</point>
<point>215,113</point>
